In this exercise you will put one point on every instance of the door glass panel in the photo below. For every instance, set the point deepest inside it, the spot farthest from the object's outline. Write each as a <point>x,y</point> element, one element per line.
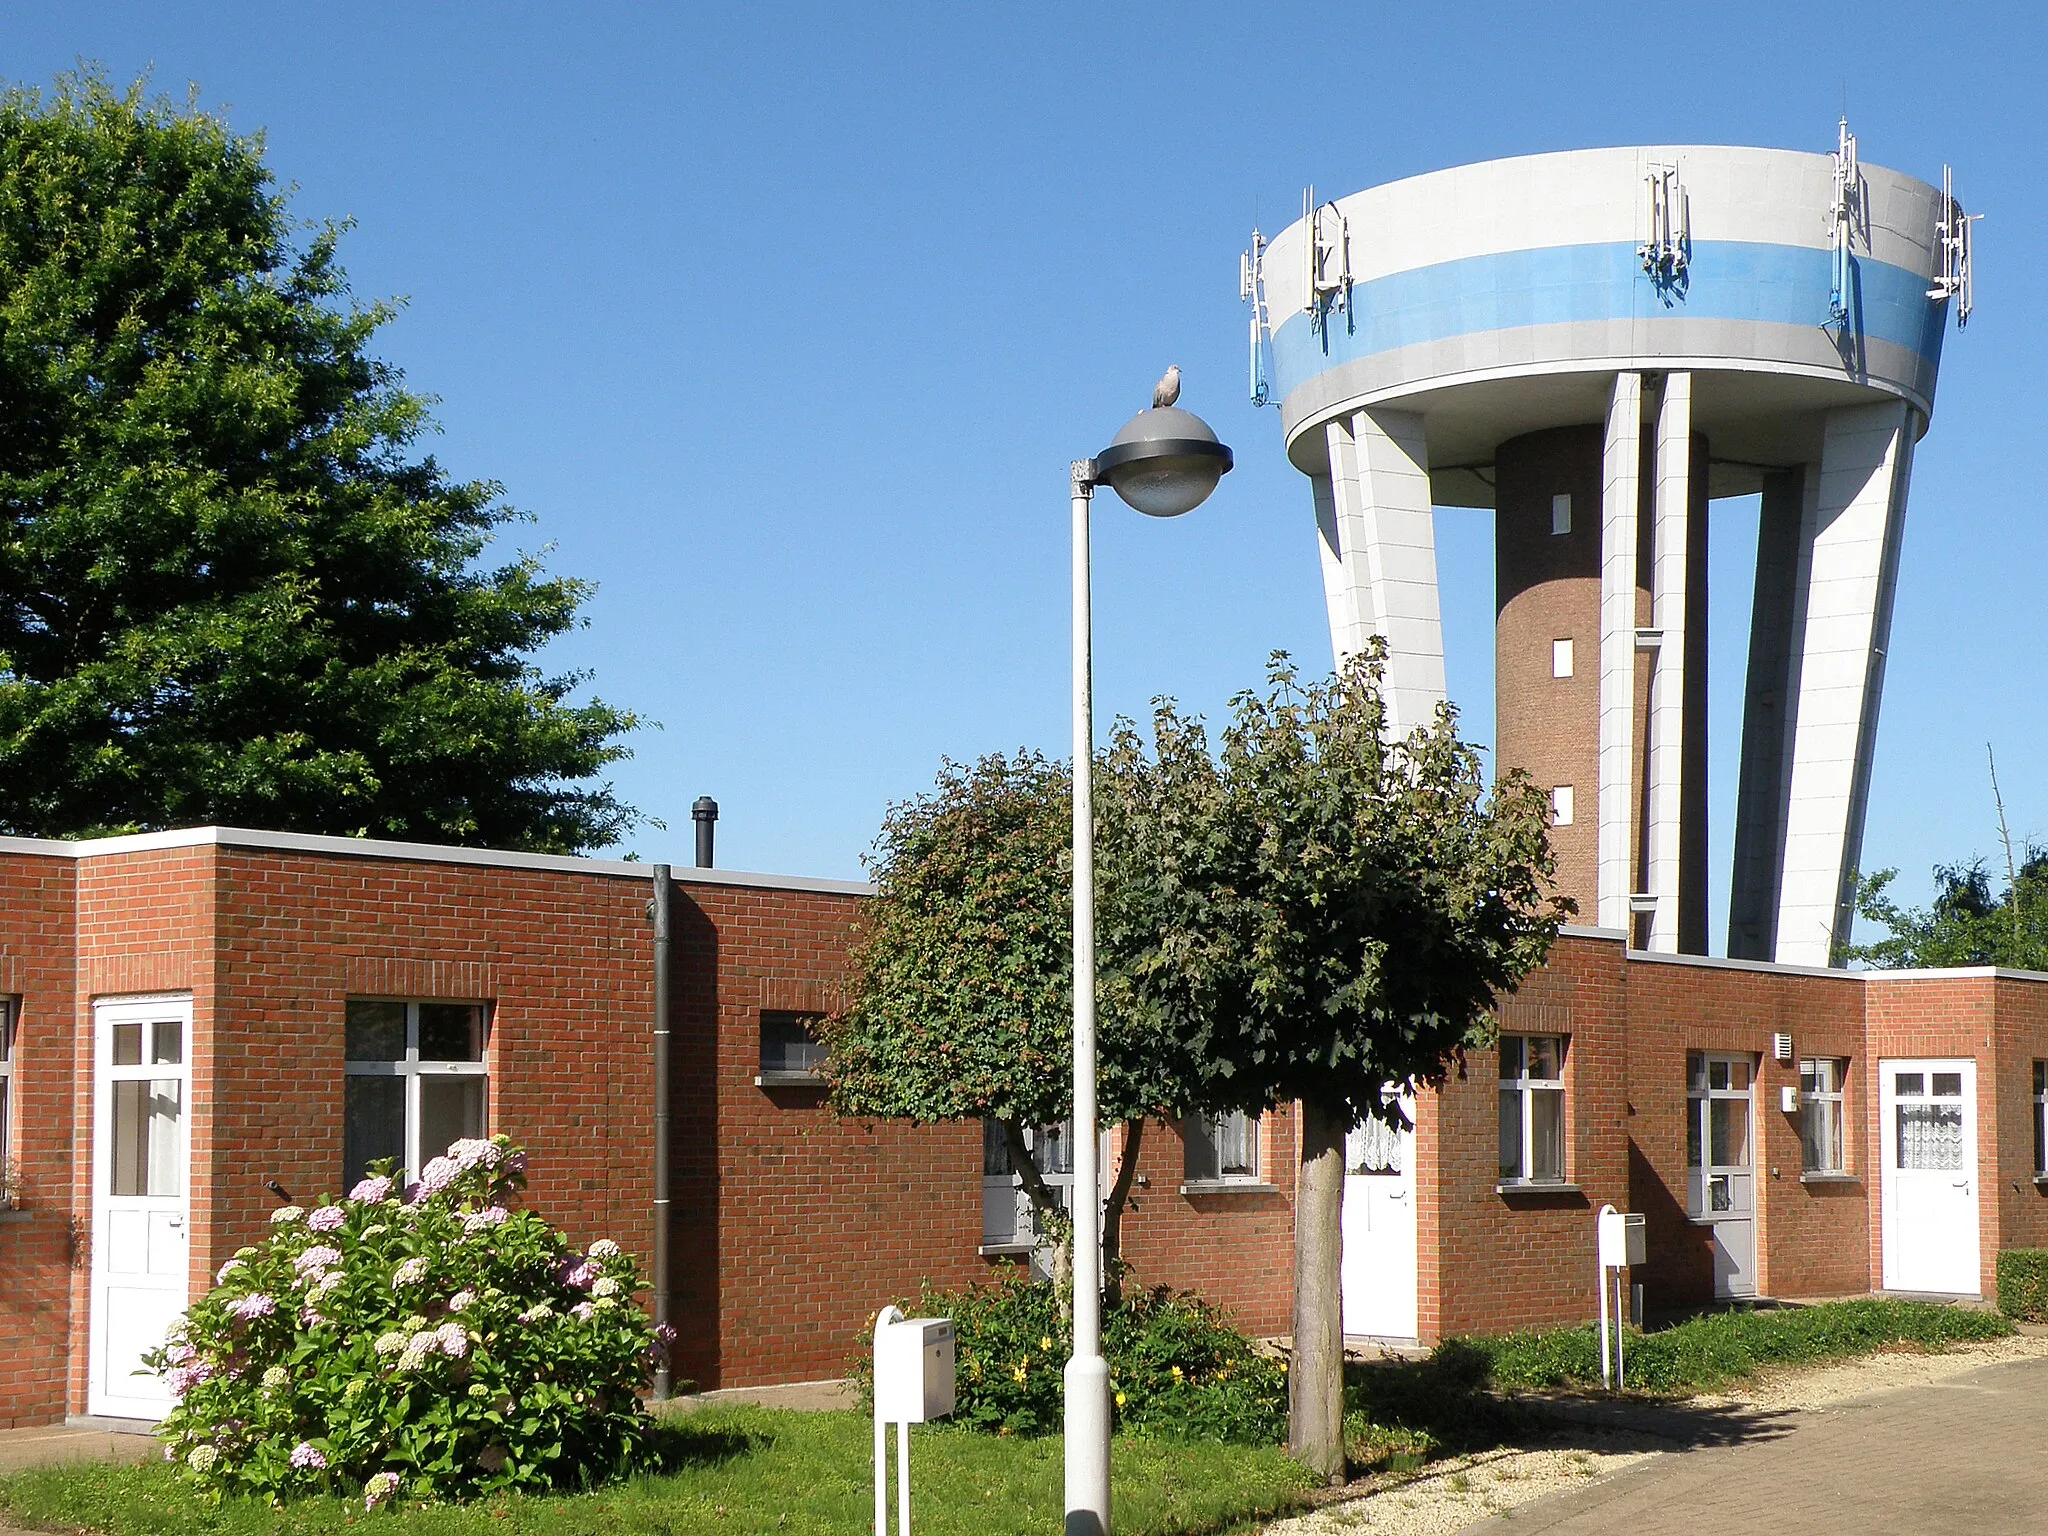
<point>1721,1193</point>
<point>1717,1074</point>
<point>1738,1076</point>
<point>376,1032</point>
<point>373,1123</point>
<point>1914,1083</point>
<point>1695,1070</point>
<point>1546,1133</point>
<point>1374,1147</point>
<point>451,1108</point>
<point>995,1151</point>
<point>1543,1054</point>
<point>1511,1057</point>
<point>1948,1085</point>
<point>1930,1137</point>
<point>451,1032</point>
<point>1693,1113</point>
<point>1730,1131</point>
<point>1052,1148</point>
<point>144,1155</point>
<point>1510,1133</point>
<point>127,1045</point>
<point>168,1045</point>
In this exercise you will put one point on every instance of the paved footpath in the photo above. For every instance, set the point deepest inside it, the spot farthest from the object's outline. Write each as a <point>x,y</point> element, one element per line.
<point>1967,1456</point>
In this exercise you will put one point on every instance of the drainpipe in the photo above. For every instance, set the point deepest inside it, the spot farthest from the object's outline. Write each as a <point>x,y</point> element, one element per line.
<point>659,910</point>
<point>705,814</point>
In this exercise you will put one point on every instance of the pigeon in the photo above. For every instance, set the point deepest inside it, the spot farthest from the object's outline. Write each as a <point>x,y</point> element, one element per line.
<point>1167,390</point>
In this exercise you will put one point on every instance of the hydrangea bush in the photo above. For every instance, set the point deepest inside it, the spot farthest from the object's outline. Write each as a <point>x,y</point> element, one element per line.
<point>427,1342</point>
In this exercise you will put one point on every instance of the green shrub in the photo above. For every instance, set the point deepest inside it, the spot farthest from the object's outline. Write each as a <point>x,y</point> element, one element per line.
<point>1176,1366</point>
<point>429,1343</point>
<point>1713,1350</point>
<point>2023,1284</point>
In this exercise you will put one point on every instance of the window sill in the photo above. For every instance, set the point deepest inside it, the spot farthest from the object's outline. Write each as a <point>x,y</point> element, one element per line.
<point>1005,1250</point>
<point>2041,1179</point>
<point>1229,1187</point>
<point>12,1216</point>
<point>1536,1187</point>
<point>791,1080</point>
<point>1830,1178</point>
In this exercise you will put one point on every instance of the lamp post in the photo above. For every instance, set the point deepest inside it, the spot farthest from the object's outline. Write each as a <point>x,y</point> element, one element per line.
<point>1164,462</point>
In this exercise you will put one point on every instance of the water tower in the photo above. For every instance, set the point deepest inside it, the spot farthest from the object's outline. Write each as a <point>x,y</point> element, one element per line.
<point>1593,345</point>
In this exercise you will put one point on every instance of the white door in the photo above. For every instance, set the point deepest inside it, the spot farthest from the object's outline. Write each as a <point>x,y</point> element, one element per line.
<point>1720,1167</point>
<point>1379,1230</point>
<point>1930,1176</point>
<point>141,1182</point>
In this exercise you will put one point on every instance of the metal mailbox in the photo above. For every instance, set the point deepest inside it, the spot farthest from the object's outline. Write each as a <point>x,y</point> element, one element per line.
<point>1622,1241</point>
<point>914,1370</point>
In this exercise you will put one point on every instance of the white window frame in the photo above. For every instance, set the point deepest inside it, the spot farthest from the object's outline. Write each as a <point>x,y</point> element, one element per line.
<point>791,1077</point>
<point>1207,1130</point>
<point>1527,1087</point>
<point>414,1071</point>
<point>1702,1174</point>
<point>9,1103</point>
<point>1818,1100</point>
<point>2041,1121</point>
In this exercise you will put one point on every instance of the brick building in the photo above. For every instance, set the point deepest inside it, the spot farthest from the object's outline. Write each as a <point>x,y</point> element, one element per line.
<point>191,1016</point>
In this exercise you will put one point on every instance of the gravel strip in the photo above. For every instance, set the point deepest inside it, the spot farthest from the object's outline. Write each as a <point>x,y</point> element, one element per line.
<point>1464,1490</point>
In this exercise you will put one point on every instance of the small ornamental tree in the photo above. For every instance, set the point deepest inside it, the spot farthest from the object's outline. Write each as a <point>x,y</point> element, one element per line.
<point>427,1343</point>
<point>960,1001</point>
<point>1336,913</point>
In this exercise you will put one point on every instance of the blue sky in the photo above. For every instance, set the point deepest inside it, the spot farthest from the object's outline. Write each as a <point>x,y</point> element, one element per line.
<point>784,321</point>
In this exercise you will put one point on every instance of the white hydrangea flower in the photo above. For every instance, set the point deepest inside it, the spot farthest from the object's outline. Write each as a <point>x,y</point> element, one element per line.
<point>284,1215</point>
<point>275,1377</point>
<point>604,1248</point>
<point>604,1285</point>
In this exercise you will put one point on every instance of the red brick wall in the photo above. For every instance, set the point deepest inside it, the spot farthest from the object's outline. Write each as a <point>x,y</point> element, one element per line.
<point>36,946</point>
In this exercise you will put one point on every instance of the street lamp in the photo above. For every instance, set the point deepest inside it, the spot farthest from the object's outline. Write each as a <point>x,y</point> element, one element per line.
<point>1164,462</point>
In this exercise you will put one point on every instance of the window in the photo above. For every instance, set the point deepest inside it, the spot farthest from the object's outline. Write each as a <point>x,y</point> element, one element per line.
<point>1561,806</point>
<point>1222,1149</point>
<point>1560,514</point>
<point>2041,1118</point>
<point>1820,1114</point>
<point>416,1081</point>
<point>1717,1150</point>
<point>1560,658</point>
<point>790,1052</point>
<point>1532,1109</point>
<point>6,1093</point>
<point>1006,1223</point>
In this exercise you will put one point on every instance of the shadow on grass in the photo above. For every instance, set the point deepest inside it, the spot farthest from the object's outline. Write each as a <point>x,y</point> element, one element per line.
<point>677,1445</point>
<point>1400,1414</point>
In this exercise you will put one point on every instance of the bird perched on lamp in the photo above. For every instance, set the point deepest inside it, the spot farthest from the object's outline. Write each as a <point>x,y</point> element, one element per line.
<point>1167,390</point>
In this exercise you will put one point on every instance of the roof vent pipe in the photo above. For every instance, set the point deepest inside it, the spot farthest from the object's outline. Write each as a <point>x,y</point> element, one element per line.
<point>705,814</point>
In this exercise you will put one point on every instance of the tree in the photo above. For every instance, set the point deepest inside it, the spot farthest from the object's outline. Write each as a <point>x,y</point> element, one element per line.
<point>1967,923</point>
<point>960,998</point>
<point>1341,914</point>
<point>230,588</point>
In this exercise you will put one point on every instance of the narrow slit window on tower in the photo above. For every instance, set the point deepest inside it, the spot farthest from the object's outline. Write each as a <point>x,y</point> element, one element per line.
<point>1560,658</point>
<point>1561,806</point>
<point>1561,514</point>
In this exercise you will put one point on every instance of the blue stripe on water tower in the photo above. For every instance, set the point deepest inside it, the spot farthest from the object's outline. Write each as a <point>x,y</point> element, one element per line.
<point>1733,281</point>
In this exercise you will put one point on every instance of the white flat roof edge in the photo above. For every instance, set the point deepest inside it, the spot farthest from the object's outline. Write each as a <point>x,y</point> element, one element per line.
<point>1772,967</point>
<point>421,853</point>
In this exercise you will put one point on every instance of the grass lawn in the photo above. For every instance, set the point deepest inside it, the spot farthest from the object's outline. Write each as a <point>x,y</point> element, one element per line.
<point>738,1470</point>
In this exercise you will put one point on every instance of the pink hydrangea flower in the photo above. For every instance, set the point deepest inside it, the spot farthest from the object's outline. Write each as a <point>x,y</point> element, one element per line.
<point>577,1273</point>
<point>585,1310</point>
<point>308,1455</point>
<point>249,1308</point>
<point>411,1272</point>
<point>474,1152</point>
<point>461,1301</point>
<point>379,1488</point>
<point>489,1216</point>
<point>438,1175</point>
<point>371,1191</point>
<point>220,1276</point>
<point>314,1260</point>
<point>666,1333</point>
<point>454,1340</point>
<point>310,1317</point>
<point>515,1162</point>
<point>413,1193</point>
<point>180,1354</point>
<point>329,1218</point>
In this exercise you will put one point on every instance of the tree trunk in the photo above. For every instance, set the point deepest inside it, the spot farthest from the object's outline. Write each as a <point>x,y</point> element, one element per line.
<point>1113,1212</point>
<point>1315,1382</point>
<point>1047,1216</point>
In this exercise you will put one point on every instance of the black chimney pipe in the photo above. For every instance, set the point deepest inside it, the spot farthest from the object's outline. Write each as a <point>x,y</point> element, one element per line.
<point>705,814</point>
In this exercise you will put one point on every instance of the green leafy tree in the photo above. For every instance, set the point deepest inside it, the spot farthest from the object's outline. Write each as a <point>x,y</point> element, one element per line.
<point>960,999</point>
<point>1967,923</point>
<point>231,589</point>
<point>1338,913</point>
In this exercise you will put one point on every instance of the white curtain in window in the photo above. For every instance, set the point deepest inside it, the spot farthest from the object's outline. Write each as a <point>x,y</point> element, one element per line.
<point>1374,1147</point>
<point>1931,1137</point>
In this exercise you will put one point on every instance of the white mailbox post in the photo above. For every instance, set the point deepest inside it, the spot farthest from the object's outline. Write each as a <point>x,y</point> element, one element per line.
<point>914,1379</point>
<point>1622,1246</point>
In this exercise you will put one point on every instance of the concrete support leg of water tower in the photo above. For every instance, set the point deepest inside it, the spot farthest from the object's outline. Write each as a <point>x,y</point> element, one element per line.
<point>1621,482</point>
<point>1770,698</point>
<point>1379,556</point>
<point>1849,558</point>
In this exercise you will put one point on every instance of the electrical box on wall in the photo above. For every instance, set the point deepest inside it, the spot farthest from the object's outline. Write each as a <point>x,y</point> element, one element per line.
<point>1788,1098</point>
<point>914,1370</point>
